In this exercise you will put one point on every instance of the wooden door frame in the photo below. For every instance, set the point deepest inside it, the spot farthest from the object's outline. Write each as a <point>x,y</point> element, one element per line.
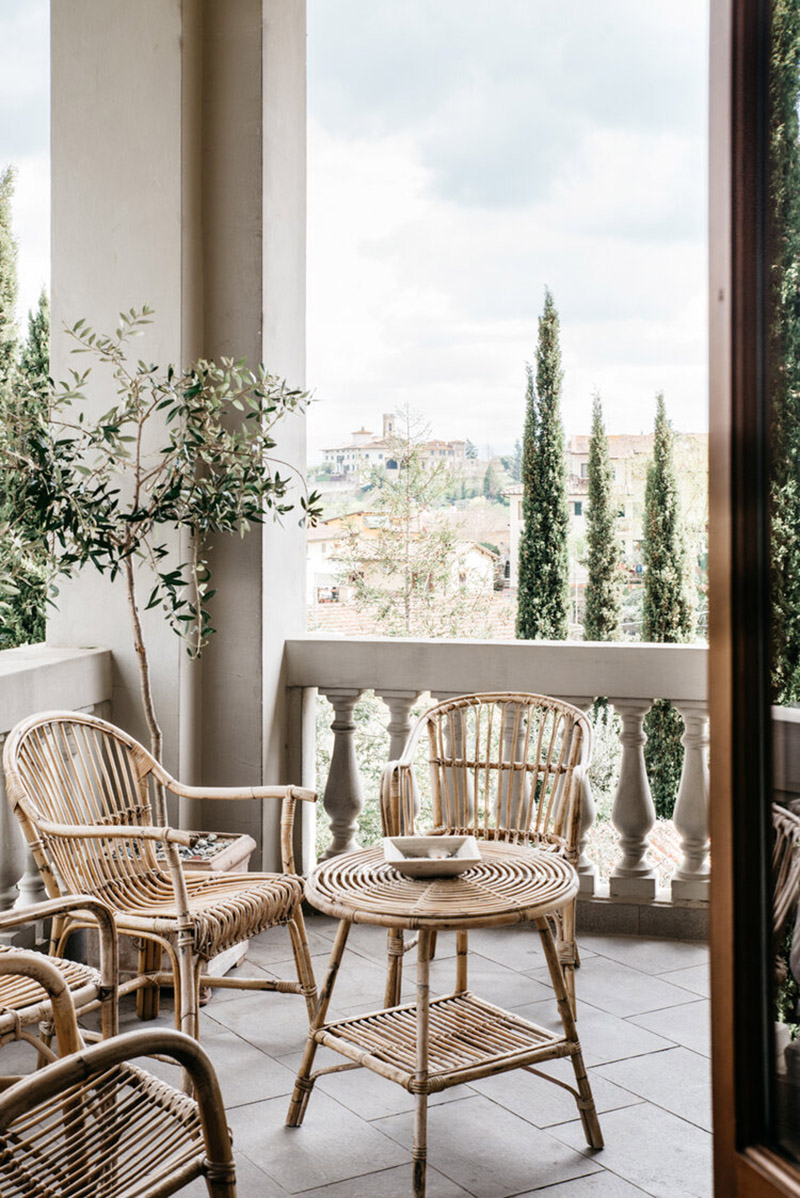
<point>744,1165</point>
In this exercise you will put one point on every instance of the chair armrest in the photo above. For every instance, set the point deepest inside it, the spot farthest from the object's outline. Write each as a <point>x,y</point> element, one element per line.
<point>233,792</point>
<point>164,835</point>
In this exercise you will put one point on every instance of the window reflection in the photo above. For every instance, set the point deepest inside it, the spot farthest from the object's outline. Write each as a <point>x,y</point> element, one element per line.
<point>784,450</point>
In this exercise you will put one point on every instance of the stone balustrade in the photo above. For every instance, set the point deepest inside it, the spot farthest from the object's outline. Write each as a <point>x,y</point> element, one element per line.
<point>630,675</point>
<point>39,678</point>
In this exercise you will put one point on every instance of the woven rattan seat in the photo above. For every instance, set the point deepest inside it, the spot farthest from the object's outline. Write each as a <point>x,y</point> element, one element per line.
<point>24,1004</point>
<point>83,792</point>
<point>506,767</point>
<point>94,1125</point>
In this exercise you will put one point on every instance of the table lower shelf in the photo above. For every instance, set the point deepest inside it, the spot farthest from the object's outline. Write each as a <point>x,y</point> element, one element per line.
<point>469,1038</point>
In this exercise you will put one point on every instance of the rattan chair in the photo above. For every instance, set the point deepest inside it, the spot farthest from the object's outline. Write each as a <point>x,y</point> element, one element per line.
<point>25,1012</point>
<point>505,767</point>
<point>82,790</point>
<point>94,1125</point>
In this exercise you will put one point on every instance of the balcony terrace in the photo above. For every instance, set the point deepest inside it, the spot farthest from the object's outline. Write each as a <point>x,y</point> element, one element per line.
<point>643,1006</point>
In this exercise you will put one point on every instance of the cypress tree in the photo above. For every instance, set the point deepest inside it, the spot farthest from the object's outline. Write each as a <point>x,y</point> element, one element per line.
<point>22,401</point>
<point>543,576</point>
<point>668,610</point>
<point>9,286</point>
<point>603,591</point>
<point>34,361</point>
<point>784,331</point>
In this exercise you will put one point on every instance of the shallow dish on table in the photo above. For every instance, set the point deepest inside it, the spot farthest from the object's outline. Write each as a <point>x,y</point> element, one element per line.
<point>431,856</point>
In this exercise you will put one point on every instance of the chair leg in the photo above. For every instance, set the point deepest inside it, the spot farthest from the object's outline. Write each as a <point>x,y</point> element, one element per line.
<point>187,988</point>
<point>585,1100</point>
<point>394,967</point>
<point>462,949</point>
<point>302,960</point>
<point>568,951</point>
<point>148,998</point>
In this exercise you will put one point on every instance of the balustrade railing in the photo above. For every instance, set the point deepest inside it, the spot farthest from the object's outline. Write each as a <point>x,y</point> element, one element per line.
<point>38,678</point>
<point>630,676</point>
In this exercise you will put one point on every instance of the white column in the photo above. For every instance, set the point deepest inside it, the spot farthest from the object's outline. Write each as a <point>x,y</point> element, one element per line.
<point>399,726</point>
<point>192,200</point>
<point>587,869</point>
<point>343,798</point>
<point>633,813</point>
<point>691,880</point>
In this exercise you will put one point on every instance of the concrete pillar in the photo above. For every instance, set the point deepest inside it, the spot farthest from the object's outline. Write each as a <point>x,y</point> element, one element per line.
<point>178,178</point>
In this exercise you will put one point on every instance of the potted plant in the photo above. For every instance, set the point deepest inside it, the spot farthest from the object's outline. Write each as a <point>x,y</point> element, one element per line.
<point>98,494</point>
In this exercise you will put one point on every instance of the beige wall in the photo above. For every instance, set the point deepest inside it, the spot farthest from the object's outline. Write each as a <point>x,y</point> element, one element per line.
<point>178,179</point>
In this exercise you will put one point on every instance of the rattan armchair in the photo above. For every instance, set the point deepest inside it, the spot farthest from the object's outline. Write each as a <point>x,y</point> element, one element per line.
<point>25,1012</point>
<point>506,767</point>
<point>94,1125</point>
<point>82,790</point>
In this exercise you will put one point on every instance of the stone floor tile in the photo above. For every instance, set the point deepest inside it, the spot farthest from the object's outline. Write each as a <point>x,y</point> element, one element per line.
<point>604,1037</point>
<point>333,1144</point>
<point>492,981</point>
<point>275,1024</point>
<point>696,978</point>
<point>651,1148</point>
<point>689,1025</point>
<point>544,1104</point>
<point>596,1185</point>
<point>367,1094</point>
<point>677,1080</point>
<point>390,1183</point>
<point>621,990</point>
<point>251,1182</point>
<point>650,954</point>
<point>489,1151</point>
<point>274,945</point>
<point>517,947</point>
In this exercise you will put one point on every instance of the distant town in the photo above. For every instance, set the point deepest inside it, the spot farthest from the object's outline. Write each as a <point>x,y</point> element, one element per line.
<point>482,506</point>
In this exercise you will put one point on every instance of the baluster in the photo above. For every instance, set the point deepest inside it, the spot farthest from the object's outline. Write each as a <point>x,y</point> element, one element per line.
<point>399,726</point>
<point>587,869</point>
<point>691,880</point>
<point>633,813</point>
<point>343,798</point>
<point>31,887</point>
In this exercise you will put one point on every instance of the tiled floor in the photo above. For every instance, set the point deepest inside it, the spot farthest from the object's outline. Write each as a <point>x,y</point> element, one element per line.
<point>643,1021</point>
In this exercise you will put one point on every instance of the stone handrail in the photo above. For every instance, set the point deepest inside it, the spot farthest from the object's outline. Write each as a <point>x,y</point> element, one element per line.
<point>39,678</point>
<point>630,675</point>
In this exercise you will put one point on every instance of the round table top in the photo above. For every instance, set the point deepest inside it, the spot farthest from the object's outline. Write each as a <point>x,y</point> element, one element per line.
<point>509,885</point>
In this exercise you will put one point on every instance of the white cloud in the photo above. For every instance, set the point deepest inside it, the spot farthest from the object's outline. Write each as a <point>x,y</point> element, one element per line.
<point>431,240</point>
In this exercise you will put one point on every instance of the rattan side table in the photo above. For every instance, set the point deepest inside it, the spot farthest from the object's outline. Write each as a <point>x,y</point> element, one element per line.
<point>435,1043</point>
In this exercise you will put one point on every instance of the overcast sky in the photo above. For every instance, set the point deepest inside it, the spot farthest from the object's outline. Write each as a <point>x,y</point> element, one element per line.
<point>463,155</point>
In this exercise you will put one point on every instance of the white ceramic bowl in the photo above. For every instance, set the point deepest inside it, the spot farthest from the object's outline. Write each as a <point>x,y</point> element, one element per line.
<point>431,856</point>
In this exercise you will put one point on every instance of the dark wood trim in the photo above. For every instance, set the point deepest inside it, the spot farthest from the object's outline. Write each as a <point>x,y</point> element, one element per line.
<point>739,698</point>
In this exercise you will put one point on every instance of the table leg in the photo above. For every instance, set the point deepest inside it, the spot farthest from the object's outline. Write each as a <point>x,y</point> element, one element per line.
<point>303,1084</point>
<point>420,1151</point>
<point>586,1107</point>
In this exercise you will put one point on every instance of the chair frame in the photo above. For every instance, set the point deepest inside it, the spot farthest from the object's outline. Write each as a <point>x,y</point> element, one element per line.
<point>551,822</point>
<point>89,990</point>
<point>70,856</point>
<point>74,1081</point>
